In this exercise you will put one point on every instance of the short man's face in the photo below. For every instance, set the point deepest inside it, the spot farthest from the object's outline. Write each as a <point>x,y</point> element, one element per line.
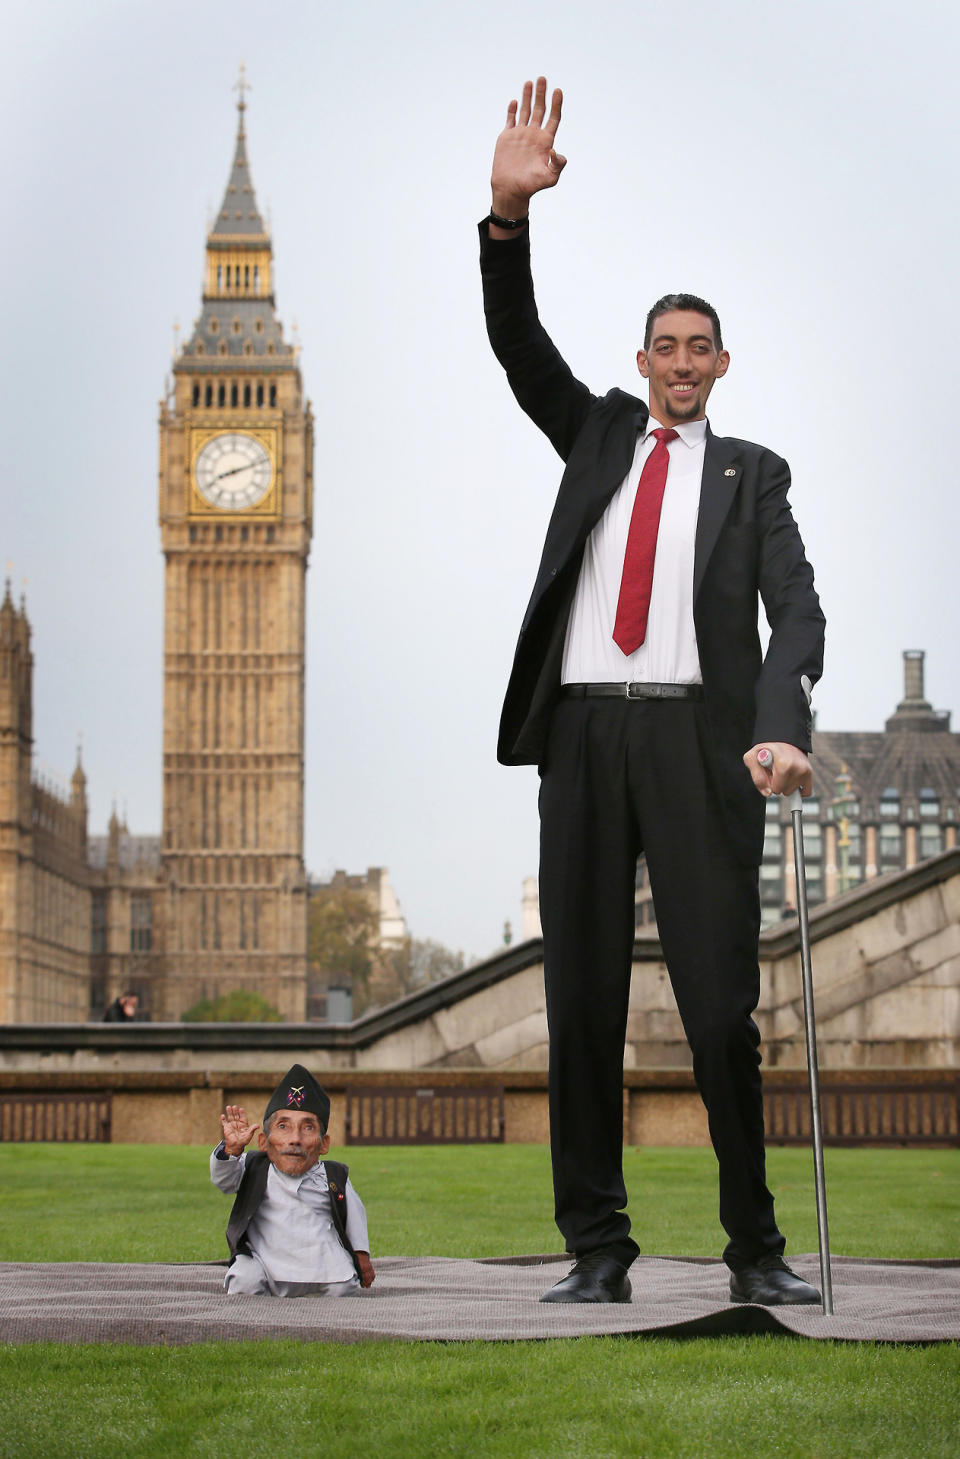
<point>681,364</point>
<point>294,1142</point>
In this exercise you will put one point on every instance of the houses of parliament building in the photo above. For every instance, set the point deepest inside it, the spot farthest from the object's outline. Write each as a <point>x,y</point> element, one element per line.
<point>218,900</point>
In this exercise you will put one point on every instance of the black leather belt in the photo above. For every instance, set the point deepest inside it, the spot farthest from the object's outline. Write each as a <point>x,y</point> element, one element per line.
<point>631,691</point>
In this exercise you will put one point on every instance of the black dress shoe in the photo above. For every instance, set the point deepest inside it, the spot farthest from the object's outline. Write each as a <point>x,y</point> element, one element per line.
<point>595,1277</point>
<point>770,1283</point>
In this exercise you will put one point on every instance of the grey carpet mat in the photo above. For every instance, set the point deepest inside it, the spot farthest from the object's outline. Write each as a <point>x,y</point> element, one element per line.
<point>439,1298</point>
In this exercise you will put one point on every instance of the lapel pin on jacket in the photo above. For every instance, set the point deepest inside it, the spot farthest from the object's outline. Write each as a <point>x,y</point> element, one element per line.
<point>730,471</point>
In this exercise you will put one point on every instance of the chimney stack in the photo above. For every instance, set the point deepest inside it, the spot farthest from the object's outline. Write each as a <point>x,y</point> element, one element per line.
<point>914,712</point>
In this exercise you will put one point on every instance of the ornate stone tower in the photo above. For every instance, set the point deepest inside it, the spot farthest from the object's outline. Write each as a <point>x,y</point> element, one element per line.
<point>44,891</point>
<point>16,797</point>
<point>236,454</point>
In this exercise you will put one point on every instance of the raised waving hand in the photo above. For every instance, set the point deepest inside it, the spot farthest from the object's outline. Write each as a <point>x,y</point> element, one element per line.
<point>525,160</point>
<point>237,1130</point>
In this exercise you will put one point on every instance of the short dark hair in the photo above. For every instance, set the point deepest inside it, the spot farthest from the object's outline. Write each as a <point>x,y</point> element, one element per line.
<point>693,304</point>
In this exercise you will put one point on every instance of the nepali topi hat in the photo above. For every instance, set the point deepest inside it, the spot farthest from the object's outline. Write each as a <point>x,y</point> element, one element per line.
<point>300,1091</point>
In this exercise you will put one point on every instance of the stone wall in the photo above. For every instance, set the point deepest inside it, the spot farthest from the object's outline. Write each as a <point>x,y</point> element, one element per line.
<point>886,960</point>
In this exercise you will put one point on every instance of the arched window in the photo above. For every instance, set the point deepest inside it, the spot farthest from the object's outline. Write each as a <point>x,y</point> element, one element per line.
<point>196,395</point>
<point>260,393</point>
<point>221,395</point>
<point>233,393</point>
<point>256,278</point>
<point>208,395</point>
<point>273,394</point>
<point>219,277</point>
<point>246,395</point>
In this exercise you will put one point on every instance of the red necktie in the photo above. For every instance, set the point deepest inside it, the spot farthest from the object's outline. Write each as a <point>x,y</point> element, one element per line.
<point>636,583</point>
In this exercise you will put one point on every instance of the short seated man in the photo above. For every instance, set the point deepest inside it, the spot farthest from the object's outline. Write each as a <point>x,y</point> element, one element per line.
<point>298,1227</point>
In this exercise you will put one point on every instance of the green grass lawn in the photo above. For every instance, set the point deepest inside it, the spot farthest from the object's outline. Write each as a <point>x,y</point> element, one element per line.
<point>156,1202</point>
<point>735,1397</point>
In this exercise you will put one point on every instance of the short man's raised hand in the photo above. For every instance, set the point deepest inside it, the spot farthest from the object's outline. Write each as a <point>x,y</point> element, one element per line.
<point>525,160</point>
<point>237,1130</point>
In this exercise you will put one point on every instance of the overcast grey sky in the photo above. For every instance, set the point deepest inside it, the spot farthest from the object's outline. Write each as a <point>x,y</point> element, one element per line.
<point>797,165</point>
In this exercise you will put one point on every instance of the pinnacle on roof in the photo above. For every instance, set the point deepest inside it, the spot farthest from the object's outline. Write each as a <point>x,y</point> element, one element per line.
<point>8,618</point>
<point>78,781</point>
<point>915,712</point>
<point>239,216</point>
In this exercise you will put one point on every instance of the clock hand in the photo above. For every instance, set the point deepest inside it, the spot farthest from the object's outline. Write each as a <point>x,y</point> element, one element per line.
<point>234,470</point>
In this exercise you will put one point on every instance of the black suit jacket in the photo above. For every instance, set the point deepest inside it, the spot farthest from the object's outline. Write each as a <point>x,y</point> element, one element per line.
<point>747,548</point>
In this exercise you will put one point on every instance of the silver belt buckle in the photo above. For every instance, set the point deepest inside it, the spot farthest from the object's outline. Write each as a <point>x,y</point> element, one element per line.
<point>644,690</point>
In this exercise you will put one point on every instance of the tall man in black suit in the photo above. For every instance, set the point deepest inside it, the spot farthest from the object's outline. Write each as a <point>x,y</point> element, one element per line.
<point>639,689</point>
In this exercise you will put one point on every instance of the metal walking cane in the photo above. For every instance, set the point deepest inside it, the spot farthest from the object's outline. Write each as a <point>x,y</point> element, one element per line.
<point>796,812</point>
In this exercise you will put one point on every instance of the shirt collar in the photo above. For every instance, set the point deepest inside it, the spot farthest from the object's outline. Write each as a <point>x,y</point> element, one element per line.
<point>691,432</point>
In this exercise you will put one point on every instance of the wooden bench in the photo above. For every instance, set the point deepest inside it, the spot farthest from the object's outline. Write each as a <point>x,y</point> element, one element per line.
<point>866,1114</point>
<point>449,1115</point>
<point>60,1118</point>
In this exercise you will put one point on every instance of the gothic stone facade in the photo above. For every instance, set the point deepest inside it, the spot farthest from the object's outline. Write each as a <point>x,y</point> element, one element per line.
<point>218,901</point>
<point>44,901</point>
<point>236,451</point>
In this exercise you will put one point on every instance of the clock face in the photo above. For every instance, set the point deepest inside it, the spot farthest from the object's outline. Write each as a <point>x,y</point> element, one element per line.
<point>233,472</point>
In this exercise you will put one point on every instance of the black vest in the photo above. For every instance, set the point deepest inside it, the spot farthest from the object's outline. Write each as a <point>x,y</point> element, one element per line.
<point>251,1192</point>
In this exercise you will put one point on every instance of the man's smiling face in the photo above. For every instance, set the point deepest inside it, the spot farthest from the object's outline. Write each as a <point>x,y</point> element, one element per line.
<point>681,363</point>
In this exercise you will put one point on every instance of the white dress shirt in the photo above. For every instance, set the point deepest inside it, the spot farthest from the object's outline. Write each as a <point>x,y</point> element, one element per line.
<point>292,1233</point>
<point>668,654</point>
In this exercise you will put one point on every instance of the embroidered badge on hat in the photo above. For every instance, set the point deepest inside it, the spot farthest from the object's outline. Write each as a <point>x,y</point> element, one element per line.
<point>299,1090</point>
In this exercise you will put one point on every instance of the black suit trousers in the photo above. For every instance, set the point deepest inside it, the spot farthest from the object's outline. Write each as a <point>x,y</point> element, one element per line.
<point>620,777</point>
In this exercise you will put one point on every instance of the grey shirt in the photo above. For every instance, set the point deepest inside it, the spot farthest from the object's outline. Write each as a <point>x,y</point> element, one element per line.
<point>292,1233</point>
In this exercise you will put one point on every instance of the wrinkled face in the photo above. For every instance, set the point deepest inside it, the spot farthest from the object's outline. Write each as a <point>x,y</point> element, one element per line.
<point>682,363</point>
<point>294,1141</point>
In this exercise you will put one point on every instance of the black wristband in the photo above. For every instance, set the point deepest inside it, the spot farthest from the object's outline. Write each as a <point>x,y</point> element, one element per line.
<point>508,223</point>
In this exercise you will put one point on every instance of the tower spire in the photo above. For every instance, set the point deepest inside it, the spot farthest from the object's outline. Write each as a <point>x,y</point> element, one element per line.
<point>238,318</point>
<point>241,86</point>
<point>239,217</point>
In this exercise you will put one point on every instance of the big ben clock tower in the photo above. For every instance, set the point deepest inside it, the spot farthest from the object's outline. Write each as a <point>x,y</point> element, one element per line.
<point>236,453</point>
